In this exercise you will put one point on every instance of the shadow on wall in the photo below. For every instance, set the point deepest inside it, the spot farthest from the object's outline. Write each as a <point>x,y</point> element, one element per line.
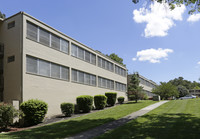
<point>164,126</point>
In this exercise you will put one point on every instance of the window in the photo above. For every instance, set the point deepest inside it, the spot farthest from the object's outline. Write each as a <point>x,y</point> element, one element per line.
<point>74,75</point>
<point>11,59</point>
<point>84,78</point>
<point>87,56</point>
<point>55,71</point>
<point>64,46</point>
<point>64,73</point>
<point>44,68</point>
<point>80,77</point>
<point>11,24</point>
<point>105,83</point>
<point>80,53</point>
<point>55,42</point>
<point>120,87</point>
<point>32,31</point>
<point>93,57</point>
<point>74,50</point>
<point>31,65</point>
<point>44,37</point>
<point>105,64</point>
<point>120,71</point>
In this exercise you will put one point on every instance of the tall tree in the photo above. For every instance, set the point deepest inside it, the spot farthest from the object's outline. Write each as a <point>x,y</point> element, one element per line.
<point>166,90</point>
<point>116,58</point>
<point>183,91</point>
<point>134,90</point>
<point>3,16</point>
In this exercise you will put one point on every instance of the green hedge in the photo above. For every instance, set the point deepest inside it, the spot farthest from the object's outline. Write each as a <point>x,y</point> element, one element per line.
<point>34,111</point>
<point>100,101</point>
<point>67,109</point>
<point>120,100</point>
<point>84,103</point>
<point>7,113</point>
<point>111,98</point>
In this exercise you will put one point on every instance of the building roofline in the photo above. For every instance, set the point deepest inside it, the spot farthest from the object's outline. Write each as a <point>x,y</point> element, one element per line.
<point>122,66</point>
<point>145,79</point>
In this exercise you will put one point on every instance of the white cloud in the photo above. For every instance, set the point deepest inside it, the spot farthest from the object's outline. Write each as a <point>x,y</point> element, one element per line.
<point>134,59</point>
<point>194,18</point>
<point>198,63</point>
<point>153,55</point>
<point>159,18</point>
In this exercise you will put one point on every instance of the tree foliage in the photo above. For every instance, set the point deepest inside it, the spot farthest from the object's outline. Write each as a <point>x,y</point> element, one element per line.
<point>166,90</point>
<point>3,16</point>
<point>116,58</point>
<point>134,90</point>
<point>194,5</point>
<point>183,91</point>
<point>188,84</point>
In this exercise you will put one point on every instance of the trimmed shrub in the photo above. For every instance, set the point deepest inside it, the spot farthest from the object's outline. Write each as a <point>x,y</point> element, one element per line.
<point>7,113</point>
<point>67,109</point>
<point>34,111</point>
<point>111,98</point>
<point>120,100</point>
<point>100,101</point>
<point>84,103</point>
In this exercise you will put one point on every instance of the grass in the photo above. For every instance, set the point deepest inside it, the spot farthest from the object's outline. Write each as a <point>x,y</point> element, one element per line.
<point>178,119</point>
<point>76,125</point>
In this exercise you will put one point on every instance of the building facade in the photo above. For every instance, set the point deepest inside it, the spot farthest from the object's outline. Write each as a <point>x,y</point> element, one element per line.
<point>39,62</point>
<point>147,85</point>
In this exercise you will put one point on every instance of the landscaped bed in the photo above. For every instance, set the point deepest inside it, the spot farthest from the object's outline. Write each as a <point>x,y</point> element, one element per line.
<point>76,125</point>
<point>173,120</point>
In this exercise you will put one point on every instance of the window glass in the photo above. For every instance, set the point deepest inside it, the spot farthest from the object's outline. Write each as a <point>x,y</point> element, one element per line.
<point>64,73</point>
<point>86,78</point>
<point>93,59</point>
<point>80,53</point>
<point>44,37</point>
<point>64,46</point>
<point>93,80</point>
<point>44,68</point>
<point>31,65</point>
<point>80,77</point>
<point>55,42</point>
<point>55,70</point>
<point>99,61</point>
<point>74,50</point>
<point>74,75</point>
<point>87,56</point>
<point>32,32</point>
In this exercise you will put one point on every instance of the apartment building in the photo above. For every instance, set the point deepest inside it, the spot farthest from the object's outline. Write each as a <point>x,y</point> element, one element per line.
<point>147,85</point>
<point>39,62</point>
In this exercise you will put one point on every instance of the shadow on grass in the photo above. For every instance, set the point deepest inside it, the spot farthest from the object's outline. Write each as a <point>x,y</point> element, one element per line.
<point>165,126</point>
<point>132,102</point>
<point>57,130</point>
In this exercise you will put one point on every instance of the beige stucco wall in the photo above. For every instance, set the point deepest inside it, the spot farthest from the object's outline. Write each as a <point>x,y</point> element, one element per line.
<point>54,91</point>
<point>11,38</point>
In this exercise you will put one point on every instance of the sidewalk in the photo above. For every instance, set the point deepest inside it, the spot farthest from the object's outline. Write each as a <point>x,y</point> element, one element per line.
<point>112,125</point>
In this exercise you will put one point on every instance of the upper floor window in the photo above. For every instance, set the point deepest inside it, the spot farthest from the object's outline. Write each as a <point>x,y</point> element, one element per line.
<point>105,64</point>
<point>44,37</point>
<point>120,71</point>
<point>32,31</point>
<point>11,24</point>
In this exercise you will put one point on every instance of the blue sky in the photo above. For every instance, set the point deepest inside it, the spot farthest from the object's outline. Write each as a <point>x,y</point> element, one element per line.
<point>159,45</point>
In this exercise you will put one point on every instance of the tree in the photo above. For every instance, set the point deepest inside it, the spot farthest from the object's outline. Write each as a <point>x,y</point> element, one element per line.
<point>3,16</point>
<point>193,4</point>
<point>116,58</point>
<point>166,90</point>
<point>134,90</point>
<point>183,91</point>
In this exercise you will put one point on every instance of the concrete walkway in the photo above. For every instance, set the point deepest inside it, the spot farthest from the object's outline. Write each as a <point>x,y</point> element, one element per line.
<point>114,124</point>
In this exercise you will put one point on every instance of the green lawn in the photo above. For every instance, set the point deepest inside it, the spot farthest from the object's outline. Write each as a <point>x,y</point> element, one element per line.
<point>76,125</point>
<point>177,119</point>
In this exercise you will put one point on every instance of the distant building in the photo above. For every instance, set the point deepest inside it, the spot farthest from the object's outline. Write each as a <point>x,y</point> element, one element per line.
<point>195,92</point>
<point>147,85</point>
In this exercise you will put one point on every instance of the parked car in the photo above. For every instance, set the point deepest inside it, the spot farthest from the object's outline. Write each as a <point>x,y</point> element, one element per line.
<point>187,97</point>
